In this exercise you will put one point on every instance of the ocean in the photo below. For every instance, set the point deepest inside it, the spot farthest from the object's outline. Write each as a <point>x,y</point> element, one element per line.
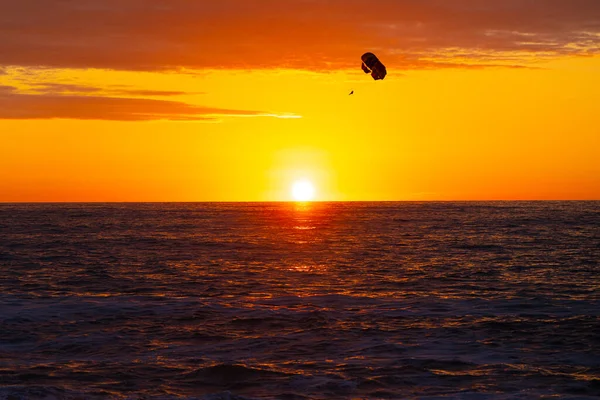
<point>215,301</point>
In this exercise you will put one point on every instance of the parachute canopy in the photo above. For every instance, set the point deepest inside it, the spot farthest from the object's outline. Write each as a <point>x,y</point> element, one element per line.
<point>370,63</point>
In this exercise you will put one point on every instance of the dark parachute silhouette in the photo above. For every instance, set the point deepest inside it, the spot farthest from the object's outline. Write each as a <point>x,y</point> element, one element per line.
<point>370,63</point>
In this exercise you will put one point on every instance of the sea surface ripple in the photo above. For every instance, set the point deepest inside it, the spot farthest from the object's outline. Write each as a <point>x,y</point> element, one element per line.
<point>215,301</point>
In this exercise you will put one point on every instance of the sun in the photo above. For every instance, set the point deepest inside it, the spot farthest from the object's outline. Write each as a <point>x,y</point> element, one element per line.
<point>303,191</point>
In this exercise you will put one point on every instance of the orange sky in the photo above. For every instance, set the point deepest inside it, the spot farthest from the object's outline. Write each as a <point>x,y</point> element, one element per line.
<point>235,100</point>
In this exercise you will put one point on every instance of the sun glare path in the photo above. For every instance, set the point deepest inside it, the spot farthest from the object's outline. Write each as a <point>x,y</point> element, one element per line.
<point>303,191</point>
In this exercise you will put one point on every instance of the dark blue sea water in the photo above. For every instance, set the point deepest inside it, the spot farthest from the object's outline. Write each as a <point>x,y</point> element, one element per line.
<point>493,300</point>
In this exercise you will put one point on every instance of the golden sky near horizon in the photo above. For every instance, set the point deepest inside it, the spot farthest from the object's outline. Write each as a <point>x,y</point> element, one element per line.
<point>236,100</point>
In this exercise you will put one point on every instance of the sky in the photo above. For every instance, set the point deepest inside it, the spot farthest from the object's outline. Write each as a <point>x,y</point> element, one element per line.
<point>236,100</point>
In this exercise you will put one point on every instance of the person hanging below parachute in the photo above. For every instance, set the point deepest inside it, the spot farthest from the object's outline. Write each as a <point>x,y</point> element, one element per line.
<point>371,64</point>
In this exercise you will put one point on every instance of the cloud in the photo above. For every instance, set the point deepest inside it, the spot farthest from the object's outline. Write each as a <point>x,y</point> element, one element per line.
<point>14,105</point>
<point>121,90</point>
<point>146,92</point>
<point>306,34</point>
<point>6,89</point>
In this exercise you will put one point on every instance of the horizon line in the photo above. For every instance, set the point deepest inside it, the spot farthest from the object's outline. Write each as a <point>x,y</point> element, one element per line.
<point>300,202</point>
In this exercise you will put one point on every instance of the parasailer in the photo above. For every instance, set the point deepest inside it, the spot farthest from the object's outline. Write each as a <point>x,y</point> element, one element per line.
<point>371,64</point>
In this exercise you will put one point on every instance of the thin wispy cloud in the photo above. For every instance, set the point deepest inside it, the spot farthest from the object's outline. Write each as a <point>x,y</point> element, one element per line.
<point>15,105</point>
<point>120,90</point>
<point>302,34</point>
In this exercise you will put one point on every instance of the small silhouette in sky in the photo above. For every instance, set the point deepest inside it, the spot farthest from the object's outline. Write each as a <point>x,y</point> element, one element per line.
<point>352,92</point>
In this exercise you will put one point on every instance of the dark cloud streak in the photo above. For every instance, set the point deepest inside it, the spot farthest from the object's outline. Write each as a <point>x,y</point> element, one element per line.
<point>14,105</point>
<point>67,88</point>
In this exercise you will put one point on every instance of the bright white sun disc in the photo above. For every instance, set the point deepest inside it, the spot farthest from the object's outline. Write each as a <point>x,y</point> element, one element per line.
<point>303,191</point>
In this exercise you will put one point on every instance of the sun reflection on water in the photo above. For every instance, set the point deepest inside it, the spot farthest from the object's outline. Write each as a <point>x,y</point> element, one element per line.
<point>311,268</point>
